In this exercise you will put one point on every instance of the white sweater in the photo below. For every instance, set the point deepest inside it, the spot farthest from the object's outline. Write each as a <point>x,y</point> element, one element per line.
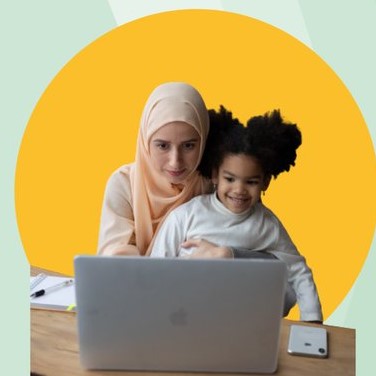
<point>258,229</point>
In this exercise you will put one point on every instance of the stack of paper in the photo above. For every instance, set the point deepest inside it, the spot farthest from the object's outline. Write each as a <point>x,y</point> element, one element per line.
<point>61,298</point>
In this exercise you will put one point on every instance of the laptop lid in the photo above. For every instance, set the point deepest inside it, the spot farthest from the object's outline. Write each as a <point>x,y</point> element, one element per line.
<point>178,314</point>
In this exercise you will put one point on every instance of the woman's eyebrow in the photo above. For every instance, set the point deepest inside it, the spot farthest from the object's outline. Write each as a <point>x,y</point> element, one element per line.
<point>182,142</point>
<point>191,140</point>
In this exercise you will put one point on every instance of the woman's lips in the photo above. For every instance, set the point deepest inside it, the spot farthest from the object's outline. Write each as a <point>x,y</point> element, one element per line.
<point>176,173</point>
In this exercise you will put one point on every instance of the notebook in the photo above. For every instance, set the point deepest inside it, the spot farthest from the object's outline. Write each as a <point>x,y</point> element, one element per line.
<point>62,299</point>
<point>178,314</point>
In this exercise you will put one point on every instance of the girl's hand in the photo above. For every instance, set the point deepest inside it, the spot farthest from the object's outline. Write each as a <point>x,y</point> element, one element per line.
<point>205,249</point>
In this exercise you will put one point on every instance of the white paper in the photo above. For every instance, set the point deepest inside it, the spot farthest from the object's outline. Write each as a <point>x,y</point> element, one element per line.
<point>60,299</point>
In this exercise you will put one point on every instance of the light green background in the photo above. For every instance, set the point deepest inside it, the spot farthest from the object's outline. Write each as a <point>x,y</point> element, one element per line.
<point>39,37</point>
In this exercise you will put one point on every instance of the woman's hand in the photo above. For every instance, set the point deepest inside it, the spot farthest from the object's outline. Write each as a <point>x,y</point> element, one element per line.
<point>205,249</point>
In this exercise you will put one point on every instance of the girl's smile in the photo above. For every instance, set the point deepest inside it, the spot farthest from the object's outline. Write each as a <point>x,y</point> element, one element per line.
<point>240,181</point>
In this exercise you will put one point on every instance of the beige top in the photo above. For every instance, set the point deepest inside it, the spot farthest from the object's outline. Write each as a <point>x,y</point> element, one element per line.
<point>117,221</point>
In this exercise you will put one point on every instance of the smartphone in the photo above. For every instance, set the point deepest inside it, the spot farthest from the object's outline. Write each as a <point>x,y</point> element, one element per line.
<point>308,341</point>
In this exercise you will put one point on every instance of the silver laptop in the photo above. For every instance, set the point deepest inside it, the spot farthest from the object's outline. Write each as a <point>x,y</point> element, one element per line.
<point>179,315</point>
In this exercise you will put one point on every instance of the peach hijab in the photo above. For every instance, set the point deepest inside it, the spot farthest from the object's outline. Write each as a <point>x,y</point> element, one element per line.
<point>154,196</point>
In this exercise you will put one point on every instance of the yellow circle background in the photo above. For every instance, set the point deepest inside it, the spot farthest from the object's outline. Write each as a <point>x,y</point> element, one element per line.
<point>85,125</point>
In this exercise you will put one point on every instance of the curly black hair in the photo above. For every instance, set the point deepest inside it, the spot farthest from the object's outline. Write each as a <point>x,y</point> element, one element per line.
<point>222,123</point>
<point>268,138</point>
<point>273,142</point>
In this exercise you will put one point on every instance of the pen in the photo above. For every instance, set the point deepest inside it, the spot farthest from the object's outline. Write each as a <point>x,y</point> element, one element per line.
<point>51,288</point>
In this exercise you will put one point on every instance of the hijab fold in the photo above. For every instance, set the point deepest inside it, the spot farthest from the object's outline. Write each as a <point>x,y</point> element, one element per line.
<point>153,195</point>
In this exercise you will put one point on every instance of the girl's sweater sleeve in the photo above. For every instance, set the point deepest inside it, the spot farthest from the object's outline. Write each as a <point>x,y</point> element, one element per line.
<point>170,236</point>
<point>299,275</point>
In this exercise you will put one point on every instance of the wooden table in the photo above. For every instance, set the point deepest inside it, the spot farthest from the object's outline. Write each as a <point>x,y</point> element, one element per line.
<point>54,349</point>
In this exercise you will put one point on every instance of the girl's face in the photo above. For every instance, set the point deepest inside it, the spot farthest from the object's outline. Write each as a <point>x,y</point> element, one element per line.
<point>174,151</point>
<point>240,181</point>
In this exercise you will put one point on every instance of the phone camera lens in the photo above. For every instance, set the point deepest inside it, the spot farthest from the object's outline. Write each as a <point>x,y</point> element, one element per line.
<point>321,350</point>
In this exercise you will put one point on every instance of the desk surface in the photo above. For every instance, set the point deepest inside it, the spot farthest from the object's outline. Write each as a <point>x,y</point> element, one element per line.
<point>54,349</point>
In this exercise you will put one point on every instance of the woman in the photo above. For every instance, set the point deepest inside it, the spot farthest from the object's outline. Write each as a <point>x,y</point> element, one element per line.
<point>172,135</point>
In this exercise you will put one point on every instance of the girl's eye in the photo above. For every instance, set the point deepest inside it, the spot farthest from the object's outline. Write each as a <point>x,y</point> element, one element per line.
<point>253,182</point>
<point>228,179</point>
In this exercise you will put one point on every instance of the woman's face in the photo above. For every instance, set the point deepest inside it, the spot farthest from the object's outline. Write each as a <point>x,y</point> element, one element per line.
<point>174,151</point>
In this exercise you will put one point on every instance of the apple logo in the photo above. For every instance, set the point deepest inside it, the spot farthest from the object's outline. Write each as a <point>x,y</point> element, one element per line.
<point>179,317</point>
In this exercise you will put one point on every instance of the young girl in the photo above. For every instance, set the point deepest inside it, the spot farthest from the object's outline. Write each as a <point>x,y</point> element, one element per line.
<point>242,162</point>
